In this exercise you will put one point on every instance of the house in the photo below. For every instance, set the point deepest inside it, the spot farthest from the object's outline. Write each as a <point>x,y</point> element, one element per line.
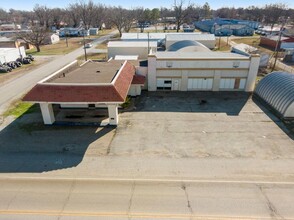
<point>12,43</point>
<point>90,85</point>
<point>93,31</point>
<point>140,48</point>
<point>9,27</point>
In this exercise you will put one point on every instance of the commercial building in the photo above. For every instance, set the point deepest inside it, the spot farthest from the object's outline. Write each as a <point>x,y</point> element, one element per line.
<point>227,27</point>
<point>91,85</point>
<point>202,71</point>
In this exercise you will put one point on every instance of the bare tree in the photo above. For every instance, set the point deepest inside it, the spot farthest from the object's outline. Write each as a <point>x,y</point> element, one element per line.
<point>4,17</point>
<point>130,16</point>
<point>273,13</point>
<point>72,16</point>
<point>57,16</point>
<point>99,15</point>
<point>181,12</point>
<point>36,36</point>
<point>85,11</point>
<point>118,17</point>
<point>43,14</point>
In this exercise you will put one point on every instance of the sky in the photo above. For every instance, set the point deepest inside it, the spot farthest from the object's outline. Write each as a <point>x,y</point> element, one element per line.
<point>214,4</point>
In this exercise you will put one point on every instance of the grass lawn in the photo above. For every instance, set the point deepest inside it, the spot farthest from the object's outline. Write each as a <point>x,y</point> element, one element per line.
<point>222,45</point>
<point>102,46</point>
<point>250,41</point>
<point>93,56</point>
<point>60,47</point>
<point>19,108</point>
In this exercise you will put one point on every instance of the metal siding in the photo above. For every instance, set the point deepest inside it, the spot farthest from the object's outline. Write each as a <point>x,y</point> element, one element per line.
<point>277,90</point>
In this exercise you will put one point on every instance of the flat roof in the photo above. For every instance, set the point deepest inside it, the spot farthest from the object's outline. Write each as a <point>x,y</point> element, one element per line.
<point>90,72</point>
<point>126,57</point>
<point>156,36</point>
<point>190,36</point>
<point>199,55</point>
<point>132,44</point>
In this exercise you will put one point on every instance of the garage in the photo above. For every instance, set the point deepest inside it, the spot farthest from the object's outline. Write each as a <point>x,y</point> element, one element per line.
<point>200,83</point>
<point>169,84</point>
<point>232,83</point>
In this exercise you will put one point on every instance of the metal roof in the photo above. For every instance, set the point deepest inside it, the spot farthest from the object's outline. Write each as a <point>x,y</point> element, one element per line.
<point>190,36</point>
<point>277,90</point>
<point>132,44</point>
<point>188,46</point>
<point>144,36</point>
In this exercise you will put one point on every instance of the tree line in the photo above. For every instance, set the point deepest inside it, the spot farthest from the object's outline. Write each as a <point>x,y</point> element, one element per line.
<point>88,14</point>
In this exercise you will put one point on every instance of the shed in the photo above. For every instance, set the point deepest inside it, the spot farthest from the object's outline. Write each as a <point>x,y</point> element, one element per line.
<point>206,39</point>
<point>277,91</point>
<point>139,48</point>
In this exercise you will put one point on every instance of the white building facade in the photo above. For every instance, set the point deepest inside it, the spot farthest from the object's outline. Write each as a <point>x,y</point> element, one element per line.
<point>198,71</point>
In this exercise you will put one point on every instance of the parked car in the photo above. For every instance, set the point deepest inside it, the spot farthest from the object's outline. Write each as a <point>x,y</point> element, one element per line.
<point>88,45</point>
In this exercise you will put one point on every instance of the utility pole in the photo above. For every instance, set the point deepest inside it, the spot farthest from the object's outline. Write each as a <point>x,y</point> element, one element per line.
<point>278,44</point>
<point>85,49</point>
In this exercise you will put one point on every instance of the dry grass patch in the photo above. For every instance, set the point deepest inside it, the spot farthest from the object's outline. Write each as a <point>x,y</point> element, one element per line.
<point>61,47</point>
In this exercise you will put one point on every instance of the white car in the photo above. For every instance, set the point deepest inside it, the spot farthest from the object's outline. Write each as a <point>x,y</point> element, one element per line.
<point>88,45</point>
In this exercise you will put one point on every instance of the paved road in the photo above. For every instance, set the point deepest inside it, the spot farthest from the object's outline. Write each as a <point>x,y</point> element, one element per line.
<point>87,199</point>
<point>16,88</point>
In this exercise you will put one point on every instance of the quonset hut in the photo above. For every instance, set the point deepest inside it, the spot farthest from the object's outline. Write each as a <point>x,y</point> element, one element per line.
<point>277,91</point>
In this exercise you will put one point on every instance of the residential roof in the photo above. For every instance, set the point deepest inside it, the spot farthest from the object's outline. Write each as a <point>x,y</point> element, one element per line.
<point>190,36</point>
<point>199,55</point>
<point>132,44</point>
<point>116,91</point>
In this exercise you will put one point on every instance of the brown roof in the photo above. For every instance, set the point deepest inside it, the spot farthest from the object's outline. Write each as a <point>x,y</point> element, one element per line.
<point>138,79</point>
<point>56,93</point>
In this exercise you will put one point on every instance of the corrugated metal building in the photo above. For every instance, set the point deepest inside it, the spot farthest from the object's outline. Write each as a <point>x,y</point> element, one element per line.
<point>277,91</point>
<point>206,39</point>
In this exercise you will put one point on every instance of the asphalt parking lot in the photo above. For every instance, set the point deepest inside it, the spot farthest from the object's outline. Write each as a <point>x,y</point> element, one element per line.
<point>201,125</point>
<point>172,135</point>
